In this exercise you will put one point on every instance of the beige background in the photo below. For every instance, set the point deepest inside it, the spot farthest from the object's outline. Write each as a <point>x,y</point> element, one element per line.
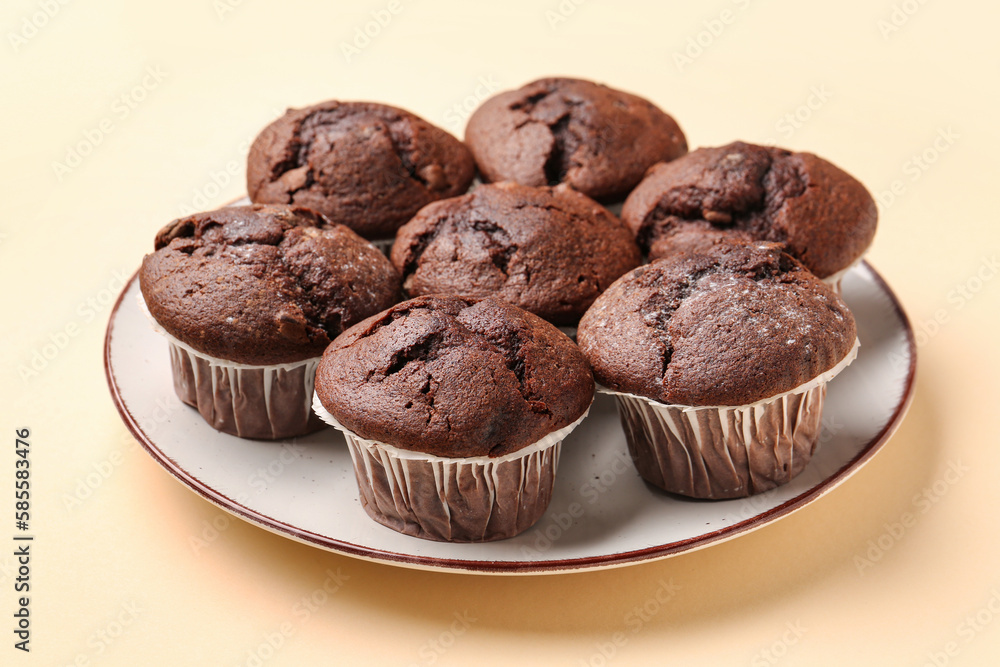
<point>887,80</point>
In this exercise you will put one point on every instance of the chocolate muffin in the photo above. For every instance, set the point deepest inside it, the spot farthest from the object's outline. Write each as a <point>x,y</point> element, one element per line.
<point>365,165</point>
<point>551,251</point>
<point>822,214</point>
<point>259,291</point>
<point>559,130</point>
<point>454,409</point>
<point>719,357</point>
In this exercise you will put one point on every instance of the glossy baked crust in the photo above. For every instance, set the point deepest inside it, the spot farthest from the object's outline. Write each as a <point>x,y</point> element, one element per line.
<point>822,214</point>
<point>551,251</point>
<point>729,322</point>
<point>559,130</point>
<point>365,165</point>
<point>454,377</point>
<point>263,285</point>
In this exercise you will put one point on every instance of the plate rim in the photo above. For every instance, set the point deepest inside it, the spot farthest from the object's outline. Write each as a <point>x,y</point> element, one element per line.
<point>555,566</point>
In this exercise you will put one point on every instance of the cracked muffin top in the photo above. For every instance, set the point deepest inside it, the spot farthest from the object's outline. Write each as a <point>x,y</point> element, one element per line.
<point>365,165</point>
<point>263,285</point>
<point>822,214</point>
<point>551,251</point>
<point>729,323</point>
<point>597,139</point>
<point>454,377</point>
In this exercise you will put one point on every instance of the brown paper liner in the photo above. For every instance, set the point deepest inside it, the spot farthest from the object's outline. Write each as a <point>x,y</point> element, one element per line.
<point>262,402</point>
<point>259,402</point>
<point>720,452</point>
<point>478,499</point>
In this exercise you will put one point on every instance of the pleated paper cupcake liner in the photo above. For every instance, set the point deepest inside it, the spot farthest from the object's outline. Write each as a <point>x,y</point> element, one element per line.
<point>259,402</point>
<point>474,499</point>
<point>715,452</point>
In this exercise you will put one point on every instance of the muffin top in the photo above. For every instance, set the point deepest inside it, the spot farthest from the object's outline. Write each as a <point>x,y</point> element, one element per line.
<point>595,138</point>
<point>263,285</point>
<point>822,214</point>
<point>728,322</point>
<point>365,165</point>
<point>551,251</point>
<point>454,377</point>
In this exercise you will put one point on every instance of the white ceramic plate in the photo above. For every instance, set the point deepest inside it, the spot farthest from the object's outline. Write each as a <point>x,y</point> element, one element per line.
<point>602,514</point>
